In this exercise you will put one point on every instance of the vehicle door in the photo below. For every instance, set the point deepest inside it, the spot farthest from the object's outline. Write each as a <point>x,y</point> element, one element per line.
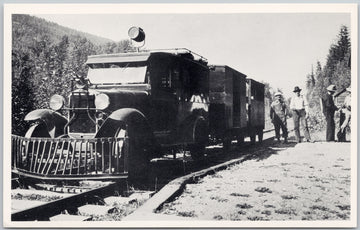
<point>164,106</point>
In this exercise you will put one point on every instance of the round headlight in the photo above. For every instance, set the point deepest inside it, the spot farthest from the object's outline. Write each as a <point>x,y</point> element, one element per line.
<point>102,101</point>
<point>56,102</point>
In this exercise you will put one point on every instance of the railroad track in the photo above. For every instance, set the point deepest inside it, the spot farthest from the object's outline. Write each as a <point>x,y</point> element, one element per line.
<point>85,204</point>
<point>115,197</point>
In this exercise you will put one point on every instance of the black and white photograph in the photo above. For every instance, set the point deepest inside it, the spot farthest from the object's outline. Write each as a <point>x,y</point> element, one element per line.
<point>180,115</point>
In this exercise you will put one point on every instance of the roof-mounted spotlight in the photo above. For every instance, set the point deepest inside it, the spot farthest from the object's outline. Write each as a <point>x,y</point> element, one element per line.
<point>137,34</point>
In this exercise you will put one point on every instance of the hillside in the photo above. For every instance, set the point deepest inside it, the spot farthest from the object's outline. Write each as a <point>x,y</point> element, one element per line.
<point>53,30</point>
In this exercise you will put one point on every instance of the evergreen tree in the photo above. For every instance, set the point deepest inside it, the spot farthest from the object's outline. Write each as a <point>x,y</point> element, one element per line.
<point>21,92</point>
<point>336,71</point>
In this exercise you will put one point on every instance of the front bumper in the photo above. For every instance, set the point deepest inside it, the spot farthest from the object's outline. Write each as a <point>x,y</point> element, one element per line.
<point>69,158</point>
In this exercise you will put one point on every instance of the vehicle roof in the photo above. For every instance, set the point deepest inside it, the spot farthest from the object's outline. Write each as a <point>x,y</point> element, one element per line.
<point>118,57</point>
<point>138,56</point>
<point>254,81</point>
<point>228,67</point>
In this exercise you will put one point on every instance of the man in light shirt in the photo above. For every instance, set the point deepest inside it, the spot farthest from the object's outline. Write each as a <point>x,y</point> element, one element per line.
<point>299,107</point>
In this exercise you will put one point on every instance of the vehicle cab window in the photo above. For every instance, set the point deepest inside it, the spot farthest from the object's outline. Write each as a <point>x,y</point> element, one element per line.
<point>165,79</point>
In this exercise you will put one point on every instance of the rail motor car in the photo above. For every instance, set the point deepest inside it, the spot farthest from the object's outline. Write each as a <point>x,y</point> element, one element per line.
<point>132,107</point>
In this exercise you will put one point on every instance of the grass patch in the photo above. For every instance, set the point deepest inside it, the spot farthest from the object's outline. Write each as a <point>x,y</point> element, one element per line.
<point>319,207</point>
<point>255,218</point>
<point>343,207</point>
<point>266,212</point>
<point>274,180</point>
<point>218,217</point>
<point>263,190</point>
<point>186,214</point>
<point>219,199</point>
<point>342,216</point>
<point>37,197</point>
<point>289,197</point>
<point>244,206</point>
<point>239,194</point>
<point>241,212</point>
<point>286,211</point>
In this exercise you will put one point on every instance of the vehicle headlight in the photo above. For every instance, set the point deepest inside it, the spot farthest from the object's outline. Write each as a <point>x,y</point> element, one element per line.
<point>102,101</point>
<point>56,102</point>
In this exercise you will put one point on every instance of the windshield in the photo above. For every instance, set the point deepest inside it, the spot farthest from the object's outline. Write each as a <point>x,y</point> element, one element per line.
<point>117,74</point>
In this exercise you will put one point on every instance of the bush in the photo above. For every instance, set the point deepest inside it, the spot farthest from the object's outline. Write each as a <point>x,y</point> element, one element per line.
<point>316,121</point>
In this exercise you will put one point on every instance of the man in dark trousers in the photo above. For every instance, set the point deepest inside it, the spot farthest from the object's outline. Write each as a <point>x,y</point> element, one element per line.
<point>278,115</point>
<point>329,109</point>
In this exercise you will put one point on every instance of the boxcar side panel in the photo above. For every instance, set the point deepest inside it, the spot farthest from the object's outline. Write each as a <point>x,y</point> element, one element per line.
<point>257,112</point>
<point>221,100</point>
<point>239,100</point>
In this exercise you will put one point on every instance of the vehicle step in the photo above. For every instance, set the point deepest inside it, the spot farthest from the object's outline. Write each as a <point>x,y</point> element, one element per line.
<point>95,210</point>
<point>66,217</point>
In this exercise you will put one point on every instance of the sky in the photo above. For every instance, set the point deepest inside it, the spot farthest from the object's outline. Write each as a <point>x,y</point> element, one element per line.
<point>278,48</point>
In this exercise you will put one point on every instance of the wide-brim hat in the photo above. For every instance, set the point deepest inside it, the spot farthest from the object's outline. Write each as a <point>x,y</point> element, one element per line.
<point>278,94</point>
<point>331,88</point>
<point>297,89</point>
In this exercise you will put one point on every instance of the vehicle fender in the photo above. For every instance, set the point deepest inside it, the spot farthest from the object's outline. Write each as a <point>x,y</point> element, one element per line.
<point>122,117</point>
<point>37,130</point>
<point>54,122</point>
<point>136,122</point>
<point>188,127</point>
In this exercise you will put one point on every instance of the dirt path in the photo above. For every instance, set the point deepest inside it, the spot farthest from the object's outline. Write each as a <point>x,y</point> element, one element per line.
<point>306,181</point>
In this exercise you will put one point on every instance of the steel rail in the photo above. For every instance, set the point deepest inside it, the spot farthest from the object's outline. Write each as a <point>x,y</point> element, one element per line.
<point>45,211</point>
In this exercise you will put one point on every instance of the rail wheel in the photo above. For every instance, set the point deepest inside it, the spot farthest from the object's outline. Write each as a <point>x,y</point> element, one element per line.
<point>33,149</point>
<point>227,143</point>
<point>253,138</point>
<point>197,150</point>
<point>240,140</point>
<point>132,147</point>
<point>260,135</point>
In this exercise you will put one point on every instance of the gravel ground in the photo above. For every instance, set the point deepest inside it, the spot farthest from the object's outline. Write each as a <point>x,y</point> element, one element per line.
<point>306,181</point>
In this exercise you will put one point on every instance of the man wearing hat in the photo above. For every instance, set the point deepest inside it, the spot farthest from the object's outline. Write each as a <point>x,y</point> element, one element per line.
<point>329,109</point>
<point>278,114</point>
<point>345,116</point>
<point>299,107</point>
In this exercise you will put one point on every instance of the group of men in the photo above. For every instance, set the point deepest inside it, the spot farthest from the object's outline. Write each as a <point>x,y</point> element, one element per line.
<point>300,112</point>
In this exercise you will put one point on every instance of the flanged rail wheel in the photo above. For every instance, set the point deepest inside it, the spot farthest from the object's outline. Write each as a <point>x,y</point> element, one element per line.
<point>197,150</point>
<point>132,147</point>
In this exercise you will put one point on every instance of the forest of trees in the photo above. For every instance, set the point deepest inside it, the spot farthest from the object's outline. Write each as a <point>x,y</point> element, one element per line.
<point>44,58</point>
<point>337,71</point>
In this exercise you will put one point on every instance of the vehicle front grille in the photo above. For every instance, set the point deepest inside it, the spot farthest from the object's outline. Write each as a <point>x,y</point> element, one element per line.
<point>82,113</point>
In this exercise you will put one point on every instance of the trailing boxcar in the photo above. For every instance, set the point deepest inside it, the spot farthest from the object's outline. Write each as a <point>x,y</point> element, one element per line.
<point>236,106</point>
<point>255,97</point>
<point>135,106</point>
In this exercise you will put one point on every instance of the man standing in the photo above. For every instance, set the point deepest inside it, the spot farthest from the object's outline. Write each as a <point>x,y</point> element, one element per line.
<point>299,108</point>
<point>345,117</point>
<point>278,115</point>
<point>329,111</point>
